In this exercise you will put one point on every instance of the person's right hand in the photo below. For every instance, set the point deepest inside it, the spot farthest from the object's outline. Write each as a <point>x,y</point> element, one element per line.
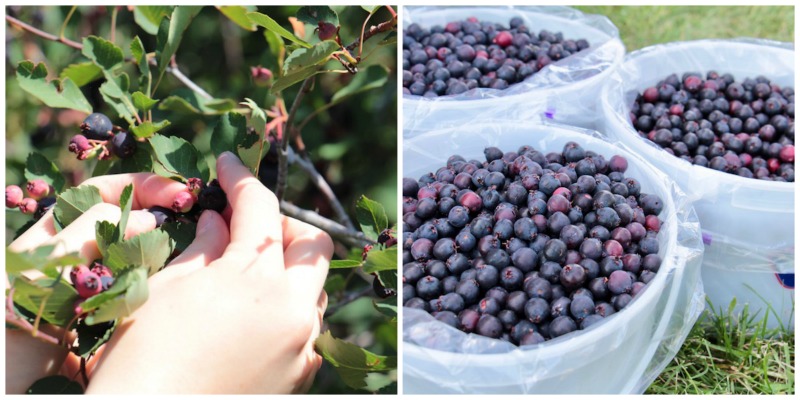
<point>237,312</point>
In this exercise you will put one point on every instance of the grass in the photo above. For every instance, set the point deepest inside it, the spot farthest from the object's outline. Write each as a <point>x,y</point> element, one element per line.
<point>642,26</point>
<point>727,353</point>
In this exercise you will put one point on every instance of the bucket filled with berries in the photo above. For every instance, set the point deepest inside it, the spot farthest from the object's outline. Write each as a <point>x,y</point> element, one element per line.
<point>463,64</point>
<point>536,256</point>
<point>718,117</point>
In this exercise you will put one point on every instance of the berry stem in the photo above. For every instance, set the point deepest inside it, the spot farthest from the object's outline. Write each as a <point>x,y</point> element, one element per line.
<point>66,21</point>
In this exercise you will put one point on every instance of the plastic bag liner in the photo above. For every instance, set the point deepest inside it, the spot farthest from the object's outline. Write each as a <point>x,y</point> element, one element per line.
<point>564,91</point>
<point>748,224</point>
<point>622,354</point>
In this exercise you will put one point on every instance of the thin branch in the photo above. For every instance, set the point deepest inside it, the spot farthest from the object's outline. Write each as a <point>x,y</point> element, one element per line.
<point>323,186</point>
<point>374,30</point>
<point>114,12</point>
<point>391,10</point>
<point>13,319</point>
<point>66,20</point>
<point>19,24</point>
<point>337,231</point>
<point>173,69</point>
<point>349,298</point>
<point>361,38</point>
<point>283,166</point>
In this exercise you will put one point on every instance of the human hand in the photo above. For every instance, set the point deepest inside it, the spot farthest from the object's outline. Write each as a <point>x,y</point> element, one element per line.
<point>237,312</point>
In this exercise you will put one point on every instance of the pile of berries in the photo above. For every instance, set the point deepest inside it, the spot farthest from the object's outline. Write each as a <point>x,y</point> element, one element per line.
<point>100,138</point>
<point>90,281</point>
<point>464,55</point>
<point>744,128</point>
<point>527,246</point>
<point>38,201</point>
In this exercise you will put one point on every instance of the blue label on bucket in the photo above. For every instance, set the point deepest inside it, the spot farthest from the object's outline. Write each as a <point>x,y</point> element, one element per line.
<point>786,280</point>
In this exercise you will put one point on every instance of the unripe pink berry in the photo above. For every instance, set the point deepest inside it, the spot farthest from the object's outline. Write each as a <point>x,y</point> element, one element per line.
<point>76,306</point>
<point>88,285</point>
<point>261,76</point>
<point>28,205</point>
<point>76,271</point>
<point>14,196</point>
<point>327,30</point>
<point>101,270</point>
<point>183,202</point>
<point>38,189</point>
<point>79,144</point>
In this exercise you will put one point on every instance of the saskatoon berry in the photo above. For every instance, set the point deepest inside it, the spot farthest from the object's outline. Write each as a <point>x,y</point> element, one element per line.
<point>123,145</point>
<point>97,126</point>
<point>212,198</point>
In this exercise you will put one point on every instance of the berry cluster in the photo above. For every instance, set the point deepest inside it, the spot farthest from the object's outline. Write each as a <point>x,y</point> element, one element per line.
<point>90,281</point>
<point>744,128</point>
<point>38,201</point>
<point>100,138</point>
<point>188,205</point>
<point>469,54</point>
<point>528,246</point>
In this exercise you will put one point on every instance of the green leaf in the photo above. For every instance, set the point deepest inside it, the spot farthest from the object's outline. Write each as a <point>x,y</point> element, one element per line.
<point>56,94</point>
<point>148,129</point>
<point>352,363</point>
<point>182,233</point>
<point>38,166</point>
<point>315,14</point>
<point>90,338</point>
<point>371,9</point>
<point>287,80</point>
<point>334,284</point>
<point>142,102</point>
<point>229,132</point>
<point>73,202</point>
<point>338,264</point>
<point>139,162</point>
<point>56,384</point>
<point>150,250</point>
<point>238,14</point>
<point>104,236</point>
<point>372,77</point>
<point>304,58</point>
<point>168,42</point>
<point>381,260</point>
<point>266,22</point>
<point>57,295</point>
<point>140,56</point>
<point>388,278</point>
<point>371,216</point>
<point>39,259</point>
<point>252,148</point>
<point>149,17</point>
<point>275,44</point>
<point>187,101</point>
<point>175,157</point>
<point>128,293</point>
<point>387,307</point>
<point>82,73</point>
<point>101,167</point>
<point>125,204</point>
<point>104,53</point>
<point>114,95</point>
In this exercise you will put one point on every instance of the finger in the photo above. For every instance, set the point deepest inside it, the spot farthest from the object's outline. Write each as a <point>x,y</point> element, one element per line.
<point>255,218</point>
<point>42,231</point>
<point>307,257</point>
<point>313,361</point>
<point>209,243</point>
<point>80,234</point>
<point>148,189</point>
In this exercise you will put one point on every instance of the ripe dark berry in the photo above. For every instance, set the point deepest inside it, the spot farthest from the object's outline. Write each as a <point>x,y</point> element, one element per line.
<point>429,287</point>
<point>97,126</point>
<point>162,215</point>
<point>212,198</point>
<point>380,290</point>
<point>489,325</point>
<point>561,326</point>
<point>123,145</point>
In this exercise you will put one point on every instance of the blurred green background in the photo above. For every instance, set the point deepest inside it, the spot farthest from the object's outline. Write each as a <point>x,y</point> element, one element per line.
<point>642,26</point>
<point>353,144</point>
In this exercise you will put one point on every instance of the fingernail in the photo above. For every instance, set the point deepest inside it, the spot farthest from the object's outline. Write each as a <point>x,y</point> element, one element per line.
<point>227,156</point>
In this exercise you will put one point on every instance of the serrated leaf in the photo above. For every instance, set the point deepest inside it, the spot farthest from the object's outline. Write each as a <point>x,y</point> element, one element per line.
<point>339,264</point>
<point>309,57</point>
<point>38,166</point>
<point>73,202</point>
<point>82,73</point>
<point>371,216</point>
<point>142,102</point>
<point>287,80</point>
<point>57,295</point>
<point>125,303</point>
<point>168,41</point>
<point>182,233</point>
<point>352,363</point>
<point>90,338</point>
<point>371,9</point>
<point>56,384</point>
<point>238,14</point>
<point>104,236</point>
<point>148,129</point>
<point>267,22</point>
<point>57,94</point>
<point>150,250</point>
<point>149,17</point>
<point>230,130</point>
<point>139,162</point>
<point>118,100</point>
<point>175,157</point>
<point>187,101</point>
<point>381,260</point>
<point>372,77</point>
<point>125,205</point>
<point>140,56</point>
<point>104,53</point>
<point>315,14</point>
<point>38,259</point>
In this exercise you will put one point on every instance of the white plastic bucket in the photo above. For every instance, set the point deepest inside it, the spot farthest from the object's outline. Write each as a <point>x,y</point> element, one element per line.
<point>748,224</point>
<point>565,91</point>
<point>623,354</point>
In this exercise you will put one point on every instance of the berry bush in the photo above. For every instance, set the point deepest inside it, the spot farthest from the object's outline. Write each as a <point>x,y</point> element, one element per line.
<point>296,92</point>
